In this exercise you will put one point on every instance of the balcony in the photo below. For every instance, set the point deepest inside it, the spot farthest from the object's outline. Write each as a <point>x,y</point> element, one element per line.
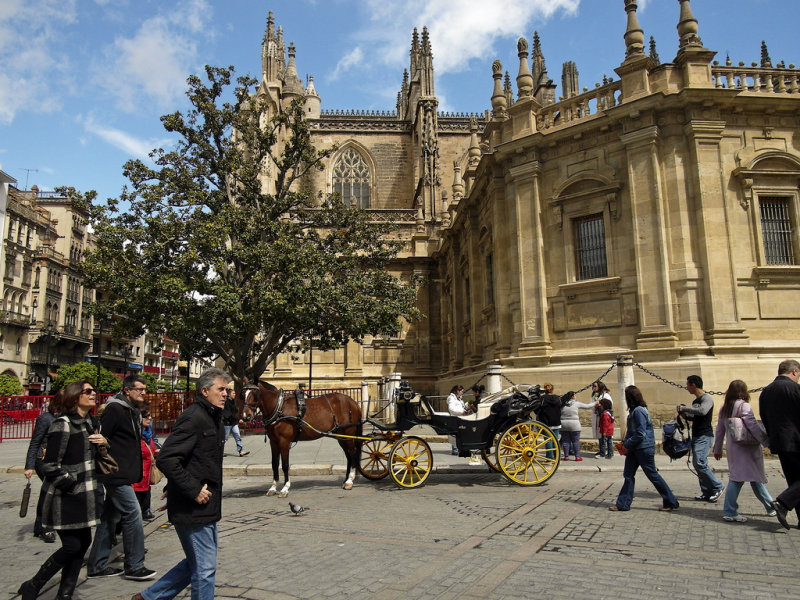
<point>8,317</point>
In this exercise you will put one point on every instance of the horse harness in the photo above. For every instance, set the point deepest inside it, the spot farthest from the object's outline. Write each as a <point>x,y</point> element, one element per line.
<point>277,415</point>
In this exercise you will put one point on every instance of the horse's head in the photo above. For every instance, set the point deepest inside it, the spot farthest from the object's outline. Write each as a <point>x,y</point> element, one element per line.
<point>247,402</point>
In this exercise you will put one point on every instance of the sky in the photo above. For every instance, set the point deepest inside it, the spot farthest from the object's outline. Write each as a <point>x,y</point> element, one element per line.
<point>84,82</point>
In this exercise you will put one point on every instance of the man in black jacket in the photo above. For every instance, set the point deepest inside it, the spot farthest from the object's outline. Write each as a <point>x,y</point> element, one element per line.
<point>121,424</point>
<point>191,459</point>
<point>779,406</point>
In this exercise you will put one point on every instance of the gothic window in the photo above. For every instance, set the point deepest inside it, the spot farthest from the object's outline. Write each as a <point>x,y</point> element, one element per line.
<point>590,247</point>
<point>776,230</point>
<point>351,179</point>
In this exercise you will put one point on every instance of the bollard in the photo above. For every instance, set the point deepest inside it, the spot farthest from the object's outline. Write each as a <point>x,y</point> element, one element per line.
<point>365,408</point>
<point>392,384</point>
<point>624,379</point>
<point>493,379</point>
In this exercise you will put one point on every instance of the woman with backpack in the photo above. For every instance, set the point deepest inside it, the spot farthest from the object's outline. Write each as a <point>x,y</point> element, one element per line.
<point>640,443</point>
<point>745,461</point>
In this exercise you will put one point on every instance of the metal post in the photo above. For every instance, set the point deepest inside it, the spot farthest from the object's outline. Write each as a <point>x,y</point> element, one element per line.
<point>310,359</point>
<point>624,379</point>
<point>99,350</point>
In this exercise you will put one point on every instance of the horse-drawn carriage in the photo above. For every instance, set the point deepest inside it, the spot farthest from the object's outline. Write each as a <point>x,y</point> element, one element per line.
<point>503,431</point>
<point>505,434</point>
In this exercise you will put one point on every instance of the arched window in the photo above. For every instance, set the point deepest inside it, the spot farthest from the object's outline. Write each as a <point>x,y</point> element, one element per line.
<point>351,178</point>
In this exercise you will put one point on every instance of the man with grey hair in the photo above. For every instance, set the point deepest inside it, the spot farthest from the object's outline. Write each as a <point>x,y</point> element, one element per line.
<point>779,405</point>
<point>191,459</point>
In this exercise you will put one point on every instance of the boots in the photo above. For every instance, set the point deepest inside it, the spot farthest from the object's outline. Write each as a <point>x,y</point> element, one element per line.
<point>30,589</point>
<point>69,579</point>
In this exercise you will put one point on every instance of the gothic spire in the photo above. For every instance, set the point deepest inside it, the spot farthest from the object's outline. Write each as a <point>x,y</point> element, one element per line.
<point>653,54</point>
<point>766,61</point>
<point>634,36</point>
<point>687,28</point>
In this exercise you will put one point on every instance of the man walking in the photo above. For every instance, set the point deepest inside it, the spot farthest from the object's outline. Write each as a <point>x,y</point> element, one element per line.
<point>231,423</point>
<point>121,424</point>
<point>700,413</point>
<point>779,406</point>
<point>191,459</point>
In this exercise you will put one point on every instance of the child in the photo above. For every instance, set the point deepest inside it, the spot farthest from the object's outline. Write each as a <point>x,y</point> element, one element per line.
<point>606,429</point>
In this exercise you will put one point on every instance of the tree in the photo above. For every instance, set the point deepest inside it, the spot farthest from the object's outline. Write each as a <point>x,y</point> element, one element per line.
<point>223,246</point>
<point>109,383</point>
<point>10,385</point>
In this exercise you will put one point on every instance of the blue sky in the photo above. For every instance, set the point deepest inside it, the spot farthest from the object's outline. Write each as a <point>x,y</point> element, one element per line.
<point>84,82</point>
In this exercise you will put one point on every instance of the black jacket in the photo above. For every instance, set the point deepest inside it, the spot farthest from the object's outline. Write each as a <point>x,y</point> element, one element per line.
<point>779,406</point>
<point>121,424</point>
<point>39,439</point>
<point>190,458</point>
<point>550,411</point>
<point>229,413</point>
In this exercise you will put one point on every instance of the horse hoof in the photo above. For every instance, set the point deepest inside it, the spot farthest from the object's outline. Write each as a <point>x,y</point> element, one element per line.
<point>347,486</point>
<point>271,492</point>
<point>283,494</point>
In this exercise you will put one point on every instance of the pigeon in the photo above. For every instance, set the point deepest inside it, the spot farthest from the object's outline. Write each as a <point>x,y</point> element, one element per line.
<point>297,509</point>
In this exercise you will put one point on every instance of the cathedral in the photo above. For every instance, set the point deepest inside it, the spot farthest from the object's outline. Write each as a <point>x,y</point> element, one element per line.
<point>655,215</point>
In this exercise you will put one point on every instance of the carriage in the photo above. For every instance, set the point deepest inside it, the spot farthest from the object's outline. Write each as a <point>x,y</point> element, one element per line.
<point>503,430</point>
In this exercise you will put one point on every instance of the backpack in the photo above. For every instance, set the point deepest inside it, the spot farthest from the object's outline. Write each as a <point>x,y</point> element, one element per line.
<point>674,442</point>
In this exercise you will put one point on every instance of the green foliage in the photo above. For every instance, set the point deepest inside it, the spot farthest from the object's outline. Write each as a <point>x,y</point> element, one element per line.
<point>10,385</point>
<point>109,383</point>
<point>152,382</point>
<point>229,265</point>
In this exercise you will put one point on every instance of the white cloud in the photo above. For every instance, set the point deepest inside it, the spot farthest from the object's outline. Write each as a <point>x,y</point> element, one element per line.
<point>460,30</point>
<point>129,144</point>
<point>33,66</point>
<point>352,59</point>
<point>153,64</point>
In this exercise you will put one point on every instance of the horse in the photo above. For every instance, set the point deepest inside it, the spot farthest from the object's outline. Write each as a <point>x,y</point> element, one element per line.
<point>334,415</point>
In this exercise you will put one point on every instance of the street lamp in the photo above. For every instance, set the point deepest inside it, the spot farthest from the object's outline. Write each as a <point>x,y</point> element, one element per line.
<point>127,350</point>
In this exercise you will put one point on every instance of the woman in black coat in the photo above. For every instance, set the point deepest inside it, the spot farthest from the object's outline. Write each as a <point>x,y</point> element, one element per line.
<point>73,498</point>
<point>33,460</point>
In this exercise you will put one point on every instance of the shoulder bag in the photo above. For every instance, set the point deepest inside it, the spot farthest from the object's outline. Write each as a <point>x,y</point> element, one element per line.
<point>740,433</point>
<point>155,473</point>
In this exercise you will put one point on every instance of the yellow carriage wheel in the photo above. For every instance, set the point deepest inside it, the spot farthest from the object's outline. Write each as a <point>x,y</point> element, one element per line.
<point>490,455</point>
<point>528,453</point>
<point>374,462</point>
<point>410,462</point>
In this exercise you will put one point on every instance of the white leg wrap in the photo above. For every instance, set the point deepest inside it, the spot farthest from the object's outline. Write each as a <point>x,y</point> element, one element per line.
<point>273,490</point>
<point>285,491</point>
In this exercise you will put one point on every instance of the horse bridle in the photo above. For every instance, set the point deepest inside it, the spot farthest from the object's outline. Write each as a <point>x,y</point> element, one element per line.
<point>254,408</point>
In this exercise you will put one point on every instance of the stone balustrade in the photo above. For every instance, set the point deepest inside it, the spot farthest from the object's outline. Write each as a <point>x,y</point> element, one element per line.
<point>756,79</point>
<point>580,106</point>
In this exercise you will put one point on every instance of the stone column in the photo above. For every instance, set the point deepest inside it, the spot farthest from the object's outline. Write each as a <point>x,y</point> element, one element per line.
<point>392,383</point>
<point>649,233</point>
<point>365,404</point>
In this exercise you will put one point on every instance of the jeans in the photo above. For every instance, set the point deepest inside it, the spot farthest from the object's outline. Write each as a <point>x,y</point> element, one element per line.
<point>199,568</point>
<point>701,446</point>
<point>731,507</point>
<point>643,458</point>
<point>550,446</point>
<point>121,503</point>
<point>606,446</point>
<point>236,435</point>
<point>571,441</point>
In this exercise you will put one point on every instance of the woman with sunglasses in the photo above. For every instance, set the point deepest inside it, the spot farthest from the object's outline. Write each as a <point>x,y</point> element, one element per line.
<point>73,497</point>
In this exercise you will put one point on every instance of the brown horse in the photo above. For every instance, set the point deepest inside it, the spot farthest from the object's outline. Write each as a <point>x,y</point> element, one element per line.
<point>334,415</point>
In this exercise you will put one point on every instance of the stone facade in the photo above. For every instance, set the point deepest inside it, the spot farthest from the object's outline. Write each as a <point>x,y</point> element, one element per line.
<point>656,215</point>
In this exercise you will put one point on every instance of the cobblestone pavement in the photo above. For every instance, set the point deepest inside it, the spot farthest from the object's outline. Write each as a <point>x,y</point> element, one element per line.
<point>463,535</point>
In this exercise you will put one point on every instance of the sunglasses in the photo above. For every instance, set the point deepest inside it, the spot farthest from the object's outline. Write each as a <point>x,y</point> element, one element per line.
<point>88,392</point>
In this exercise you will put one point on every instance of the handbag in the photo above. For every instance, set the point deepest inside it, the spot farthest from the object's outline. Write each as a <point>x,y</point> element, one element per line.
<point>26,498</point>
<point>155,473</point>
<point>741,434</point>
<point>104,462</point>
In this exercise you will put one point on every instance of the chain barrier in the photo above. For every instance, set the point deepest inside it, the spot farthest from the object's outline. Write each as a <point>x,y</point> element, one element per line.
<point>607,371</point>
<point>682,386</point>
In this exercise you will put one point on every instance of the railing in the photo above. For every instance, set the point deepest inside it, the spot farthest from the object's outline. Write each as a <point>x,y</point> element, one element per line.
<point>14,318</point>
<point>756,79</point>
<point>18,413</point>
<point>582,106</point>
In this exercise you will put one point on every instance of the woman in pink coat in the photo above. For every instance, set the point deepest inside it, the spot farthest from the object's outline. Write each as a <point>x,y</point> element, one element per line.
<point>745,462</point>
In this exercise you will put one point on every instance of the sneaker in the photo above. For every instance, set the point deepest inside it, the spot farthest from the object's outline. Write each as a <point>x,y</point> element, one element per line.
<point>598,455</point>
<point>148,515</point>
<point>715,496</point>
<point>780,512</point>
<point>772,513</point>
<point>48,536</point>
<point>565,458</point>
<point>140,574</point>
<point>668,508</point>
<point>701,498</point>
<point>736,519</point>
<point>609,457</point>
<point>578,458</point>
<point>244,452</point>
<point>107,572</point>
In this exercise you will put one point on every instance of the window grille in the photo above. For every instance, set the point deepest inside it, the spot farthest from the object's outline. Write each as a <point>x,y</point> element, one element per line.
<point>776,230</point>
<point>590,239</point>
<point>351,179</point>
